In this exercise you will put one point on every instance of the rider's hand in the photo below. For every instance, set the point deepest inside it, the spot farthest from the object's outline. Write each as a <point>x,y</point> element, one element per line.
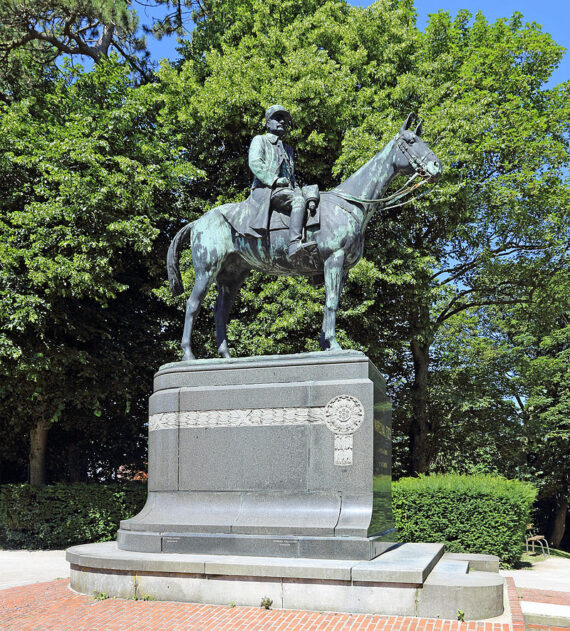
<point>282,181</point>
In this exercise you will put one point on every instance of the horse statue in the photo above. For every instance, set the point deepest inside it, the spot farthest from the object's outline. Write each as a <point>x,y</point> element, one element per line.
<point>220,253</point>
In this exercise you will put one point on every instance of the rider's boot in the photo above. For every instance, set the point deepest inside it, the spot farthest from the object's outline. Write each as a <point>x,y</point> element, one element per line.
<point>298,250</point>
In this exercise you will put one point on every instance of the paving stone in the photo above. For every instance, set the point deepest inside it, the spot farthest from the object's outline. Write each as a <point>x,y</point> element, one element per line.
<point>53,606</point>
<point>546,614</point>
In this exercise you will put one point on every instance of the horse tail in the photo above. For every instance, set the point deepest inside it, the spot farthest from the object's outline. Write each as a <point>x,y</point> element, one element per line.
<point>180,240</point>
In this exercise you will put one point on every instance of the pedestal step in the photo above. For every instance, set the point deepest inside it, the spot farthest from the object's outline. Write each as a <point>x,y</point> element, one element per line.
<point>546,614</point>
<point>411,579</point>
<point>283,546</point>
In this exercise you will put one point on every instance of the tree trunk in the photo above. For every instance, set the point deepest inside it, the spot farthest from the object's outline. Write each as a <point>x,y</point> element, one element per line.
<point>38,445</point>
<point>419,427</point>
<point>76,463</point>
<point>559,526</point>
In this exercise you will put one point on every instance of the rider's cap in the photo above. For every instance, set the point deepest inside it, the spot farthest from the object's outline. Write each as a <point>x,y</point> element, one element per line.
<point>271,111</point>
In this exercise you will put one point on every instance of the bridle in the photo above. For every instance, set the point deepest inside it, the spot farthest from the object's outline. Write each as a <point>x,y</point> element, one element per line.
<point>417,163</point>
<point>419,168</point>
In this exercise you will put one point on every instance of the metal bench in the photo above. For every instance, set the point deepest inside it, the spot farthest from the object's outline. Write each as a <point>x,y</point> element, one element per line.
<point>532,539</point>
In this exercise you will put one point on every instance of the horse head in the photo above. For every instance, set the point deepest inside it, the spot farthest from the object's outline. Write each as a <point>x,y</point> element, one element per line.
<point>413,155</point>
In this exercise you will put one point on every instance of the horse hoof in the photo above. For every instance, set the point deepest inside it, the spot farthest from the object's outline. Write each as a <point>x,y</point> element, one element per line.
<point>187,357</point>
<point>334,347</point>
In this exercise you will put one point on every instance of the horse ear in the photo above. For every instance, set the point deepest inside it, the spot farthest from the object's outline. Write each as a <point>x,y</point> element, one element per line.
<point>418,131</point>
<point>407,123</point>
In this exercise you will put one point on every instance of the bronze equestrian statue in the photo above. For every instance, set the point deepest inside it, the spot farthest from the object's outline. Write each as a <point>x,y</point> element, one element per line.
<point>230,240</point>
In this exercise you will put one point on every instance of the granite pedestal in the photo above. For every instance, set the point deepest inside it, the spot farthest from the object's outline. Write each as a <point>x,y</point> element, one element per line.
<point>284,456</point>
<point>270,476</point>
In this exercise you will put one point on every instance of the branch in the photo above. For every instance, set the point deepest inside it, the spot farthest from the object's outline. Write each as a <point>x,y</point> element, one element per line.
<point>79,42</point>
<point>67,25</point>
<point>446,313</point>
<point>504,250</point>
<point>133,61</point>
<point>478,303</point>
<point>106,39</point>
<point>51,39</point>
<point>16,44</point>
<point>520,403</point>
<point>70,42</point>
<point>87,27</point>
<point>457,270</point>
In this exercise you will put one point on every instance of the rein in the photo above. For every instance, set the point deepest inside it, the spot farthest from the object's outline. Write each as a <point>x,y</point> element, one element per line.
<point>400,193</point>
<point>405,190</point>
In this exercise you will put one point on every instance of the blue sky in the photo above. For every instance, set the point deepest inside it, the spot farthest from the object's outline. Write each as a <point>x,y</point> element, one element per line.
<point>553,15</point>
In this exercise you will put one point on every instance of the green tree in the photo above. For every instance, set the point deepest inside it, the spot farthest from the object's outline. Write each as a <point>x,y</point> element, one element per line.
<point>493,230</point>
<point>34,33</point>
<point>539,333</point>
<point>500,392</point>
<point>87,188</point>
<point>473,396</point>
<point>498,224</point>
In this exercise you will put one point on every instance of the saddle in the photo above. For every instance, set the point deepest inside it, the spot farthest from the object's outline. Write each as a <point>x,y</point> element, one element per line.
<point>280,220</point>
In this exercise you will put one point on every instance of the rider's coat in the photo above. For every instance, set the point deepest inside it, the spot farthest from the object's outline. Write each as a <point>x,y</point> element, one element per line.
<point>269,159</point>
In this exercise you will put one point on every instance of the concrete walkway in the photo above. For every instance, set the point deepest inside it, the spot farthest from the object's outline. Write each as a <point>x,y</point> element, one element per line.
<point>552,574</point>
<point>544,592</point>
<point>24,567</point>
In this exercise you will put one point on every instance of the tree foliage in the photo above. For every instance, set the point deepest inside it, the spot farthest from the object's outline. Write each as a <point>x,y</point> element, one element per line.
<point>461,298</point>
<point>500,386</point>
<point>37,32</point>
<point>490,234</point>
<point>86,191</point>
<point>538,335</point>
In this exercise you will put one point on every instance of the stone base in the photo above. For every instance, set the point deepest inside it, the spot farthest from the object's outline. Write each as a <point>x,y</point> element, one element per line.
<point>293,546</point>
<point>282,456</point>
<point>410,579</point>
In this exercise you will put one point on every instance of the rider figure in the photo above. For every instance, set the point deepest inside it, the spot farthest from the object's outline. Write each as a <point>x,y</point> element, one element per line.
<point>274,184</point>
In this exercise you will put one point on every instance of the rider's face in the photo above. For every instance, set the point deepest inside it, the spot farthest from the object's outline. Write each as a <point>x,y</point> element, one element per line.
<point>278,124</point>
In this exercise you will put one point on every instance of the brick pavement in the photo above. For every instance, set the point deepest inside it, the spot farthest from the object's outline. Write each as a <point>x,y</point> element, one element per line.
<point>54,607</point>
<point>517,617</point>
<point>545,596</point>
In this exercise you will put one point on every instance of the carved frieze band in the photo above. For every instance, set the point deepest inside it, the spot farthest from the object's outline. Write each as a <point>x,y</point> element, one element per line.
<point>343,415</point>
<point>236,418</point>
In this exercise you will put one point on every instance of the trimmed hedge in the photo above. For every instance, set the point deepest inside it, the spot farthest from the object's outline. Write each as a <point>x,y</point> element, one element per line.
<point>482,514</point>
<point>62,515</point>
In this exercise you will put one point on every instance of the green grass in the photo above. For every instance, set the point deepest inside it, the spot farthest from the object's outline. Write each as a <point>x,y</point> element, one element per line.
<point>528,560</point>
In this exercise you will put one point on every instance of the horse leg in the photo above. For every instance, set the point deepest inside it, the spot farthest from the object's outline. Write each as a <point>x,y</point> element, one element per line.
<point>333,286</point>
<point>228,288</point>
<point>203,281</point>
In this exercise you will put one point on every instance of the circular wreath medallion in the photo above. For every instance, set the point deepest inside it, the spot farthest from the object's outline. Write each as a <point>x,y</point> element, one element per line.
<point>344,414</point>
